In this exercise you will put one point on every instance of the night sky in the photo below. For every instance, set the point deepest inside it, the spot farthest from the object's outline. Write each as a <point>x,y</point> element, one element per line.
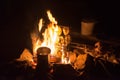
<point>19,17</point>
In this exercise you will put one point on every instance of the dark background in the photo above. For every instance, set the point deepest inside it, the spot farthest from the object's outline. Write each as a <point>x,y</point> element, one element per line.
<point>19,17</point>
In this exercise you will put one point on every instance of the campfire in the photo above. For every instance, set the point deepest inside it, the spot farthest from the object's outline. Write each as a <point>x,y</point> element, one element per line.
<point>57,39</point>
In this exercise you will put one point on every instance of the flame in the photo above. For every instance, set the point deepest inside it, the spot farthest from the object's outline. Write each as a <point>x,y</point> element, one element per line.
<point>51,34</point>
<point>65,58</point>
<point>40,24</point>
<point>51,37</point>
<point>51,18</point>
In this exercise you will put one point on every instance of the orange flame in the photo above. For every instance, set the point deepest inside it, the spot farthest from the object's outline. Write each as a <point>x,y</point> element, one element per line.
<point>51,18</point>
<point>40,24</point>
<point>51,36</point>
